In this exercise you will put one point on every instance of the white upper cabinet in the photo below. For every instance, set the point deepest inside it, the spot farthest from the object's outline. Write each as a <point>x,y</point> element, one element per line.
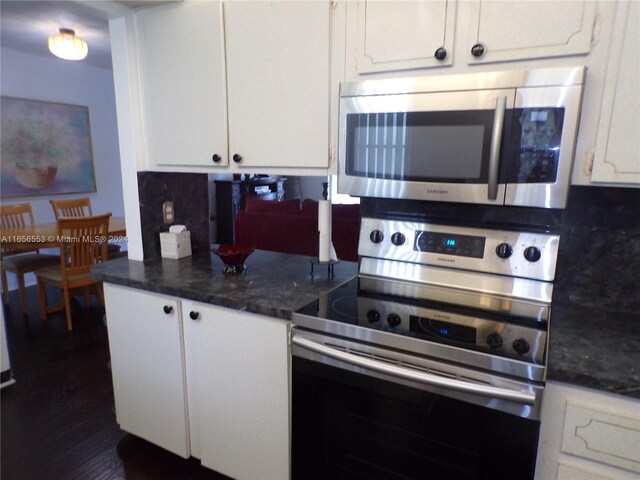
<point>182,77</point>
<point>278,73</point>
<point>247,88</point>
<point>617,154</point>
<point>502,31</point>
<point>387,36</point>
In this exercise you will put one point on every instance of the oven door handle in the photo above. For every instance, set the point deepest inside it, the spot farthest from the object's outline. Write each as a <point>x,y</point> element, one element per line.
<point>494,153</point>
<point>519,396</point>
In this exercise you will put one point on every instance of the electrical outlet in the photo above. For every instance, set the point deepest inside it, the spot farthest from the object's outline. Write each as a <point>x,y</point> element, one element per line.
<point>168,215</point>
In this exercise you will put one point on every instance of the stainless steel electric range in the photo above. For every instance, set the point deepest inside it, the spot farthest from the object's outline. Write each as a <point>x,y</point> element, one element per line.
<point>431,363</point>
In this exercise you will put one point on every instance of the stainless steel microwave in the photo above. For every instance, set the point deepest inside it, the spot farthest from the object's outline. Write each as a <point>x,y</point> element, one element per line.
<point>500,138</point>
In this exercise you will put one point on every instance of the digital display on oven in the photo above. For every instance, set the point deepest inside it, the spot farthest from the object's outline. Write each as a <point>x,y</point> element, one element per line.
<point>439,328</point>
<point>449,244</point>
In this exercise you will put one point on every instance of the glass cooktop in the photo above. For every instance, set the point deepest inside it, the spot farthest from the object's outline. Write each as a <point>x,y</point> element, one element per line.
<point>430,321</point>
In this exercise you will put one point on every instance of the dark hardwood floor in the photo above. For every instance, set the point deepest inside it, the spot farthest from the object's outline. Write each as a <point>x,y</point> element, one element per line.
<point>57,419</point>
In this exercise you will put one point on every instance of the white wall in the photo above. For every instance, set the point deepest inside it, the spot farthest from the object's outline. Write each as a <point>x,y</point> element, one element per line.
<point>51,79</point>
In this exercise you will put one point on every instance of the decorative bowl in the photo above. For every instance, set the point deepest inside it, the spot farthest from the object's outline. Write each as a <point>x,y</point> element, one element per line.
<point>233,256</point>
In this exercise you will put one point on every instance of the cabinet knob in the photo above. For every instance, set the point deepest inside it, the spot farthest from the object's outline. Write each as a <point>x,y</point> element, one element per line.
<point>194,315</point>
<point>237,158</point>
<point>477,50</point>
<point>441,53</point>
<point>216,158</point>
<point>168,309</point>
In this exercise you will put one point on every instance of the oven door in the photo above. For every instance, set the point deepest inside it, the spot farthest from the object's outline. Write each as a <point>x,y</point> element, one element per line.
<point>364,412</point>
<point>442,146</point>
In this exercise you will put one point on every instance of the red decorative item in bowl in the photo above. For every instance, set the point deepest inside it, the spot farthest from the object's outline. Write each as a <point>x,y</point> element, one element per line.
<point>233,256</point>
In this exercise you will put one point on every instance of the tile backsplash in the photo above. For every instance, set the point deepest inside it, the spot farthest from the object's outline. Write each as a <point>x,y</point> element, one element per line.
<point>599,259</point>
<point>189,193</point>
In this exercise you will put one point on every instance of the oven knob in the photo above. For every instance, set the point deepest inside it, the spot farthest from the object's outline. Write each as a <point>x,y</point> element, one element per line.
<point>376,236</point>
<point>494,340</point>
<point>521,346</point>
<point>504,250</point>
<point>398,239</point>
<point>394,320</point>
<point>532,254</point>
<point>373,316</point>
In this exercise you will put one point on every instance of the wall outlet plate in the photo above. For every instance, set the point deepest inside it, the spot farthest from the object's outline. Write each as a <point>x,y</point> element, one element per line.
<point>168,214</point>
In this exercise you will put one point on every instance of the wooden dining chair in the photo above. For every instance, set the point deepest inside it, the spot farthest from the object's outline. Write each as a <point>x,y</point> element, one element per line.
<point>82,243</point>
<point>75,207</point>
<point>80,207</point>
<point>24,259</point>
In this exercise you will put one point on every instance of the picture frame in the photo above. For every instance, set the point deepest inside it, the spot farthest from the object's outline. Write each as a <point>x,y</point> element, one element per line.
<point>45,149</point>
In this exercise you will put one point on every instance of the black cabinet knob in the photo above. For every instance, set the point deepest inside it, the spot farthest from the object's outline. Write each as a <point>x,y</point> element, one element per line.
<point>237,158</point>
<point>532,254</point>
<point>504,250</point>
<point>216,158</point>
<point>477,50</point>
<point>441,53</point>
<point>194,315</point>
<point>376,236</point>
<point>168,309</point>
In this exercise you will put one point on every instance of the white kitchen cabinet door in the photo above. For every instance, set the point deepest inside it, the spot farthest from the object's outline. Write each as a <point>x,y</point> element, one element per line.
<point>147,365</point>
<point>588,434</point>
<point>241,390</point>
<point>505,31</point>
<point>617,155</point>
<point>400,35</point>
<point>278,68</point>
<point>183,83</point>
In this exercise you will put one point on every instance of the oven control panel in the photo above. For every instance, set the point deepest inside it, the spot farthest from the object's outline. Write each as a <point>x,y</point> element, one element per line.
<point>504,339</point>
<point>529,255</point>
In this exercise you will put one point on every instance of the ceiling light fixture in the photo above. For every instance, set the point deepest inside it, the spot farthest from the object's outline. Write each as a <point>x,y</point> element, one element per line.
<point>67,46</point>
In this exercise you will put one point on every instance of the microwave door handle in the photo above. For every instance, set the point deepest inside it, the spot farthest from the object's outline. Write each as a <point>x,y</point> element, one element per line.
<point>496,140</point>
<point>519,396</point>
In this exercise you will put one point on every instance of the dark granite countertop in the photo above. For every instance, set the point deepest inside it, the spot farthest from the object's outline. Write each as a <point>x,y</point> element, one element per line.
<point>595,348</point>
<point>274,284</point>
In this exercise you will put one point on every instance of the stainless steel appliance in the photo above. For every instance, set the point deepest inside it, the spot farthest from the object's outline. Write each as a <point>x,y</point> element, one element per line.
<point>503,138</point>
<point>431,363</point>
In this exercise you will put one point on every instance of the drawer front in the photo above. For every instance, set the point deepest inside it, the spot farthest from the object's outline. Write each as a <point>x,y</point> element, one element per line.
<point>604,437</point>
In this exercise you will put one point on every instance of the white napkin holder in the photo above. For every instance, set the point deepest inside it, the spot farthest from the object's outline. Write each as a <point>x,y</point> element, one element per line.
<point>176,243</point>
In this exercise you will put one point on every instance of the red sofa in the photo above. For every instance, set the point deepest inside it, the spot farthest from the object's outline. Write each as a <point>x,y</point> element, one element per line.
<point>290,227</point>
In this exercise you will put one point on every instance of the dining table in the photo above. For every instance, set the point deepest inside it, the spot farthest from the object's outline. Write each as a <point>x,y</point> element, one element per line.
<point>44,235</point>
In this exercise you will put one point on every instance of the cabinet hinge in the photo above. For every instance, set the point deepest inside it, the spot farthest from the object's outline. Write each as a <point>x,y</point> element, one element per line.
<point>588,162</point>
<point>596,32</point>
<point>289,334</point>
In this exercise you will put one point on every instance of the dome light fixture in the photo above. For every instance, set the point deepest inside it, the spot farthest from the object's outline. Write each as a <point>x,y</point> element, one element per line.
<point>67,45</point>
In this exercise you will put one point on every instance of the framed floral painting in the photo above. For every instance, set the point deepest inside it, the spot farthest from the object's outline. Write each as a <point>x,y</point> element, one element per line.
<point>45,148</point>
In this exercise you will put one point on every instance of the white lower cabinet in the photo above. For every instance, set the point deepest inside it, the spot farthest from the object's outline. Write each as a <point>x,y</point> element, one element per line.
<point>241,391</point>
<point>147,365</point>
<point>203,381</point>
<point>587,434</point>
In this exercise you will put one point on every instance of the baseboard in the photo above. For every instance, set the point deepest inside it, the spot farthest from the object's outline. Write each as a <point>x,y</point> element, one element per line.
<point>6,379</point>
